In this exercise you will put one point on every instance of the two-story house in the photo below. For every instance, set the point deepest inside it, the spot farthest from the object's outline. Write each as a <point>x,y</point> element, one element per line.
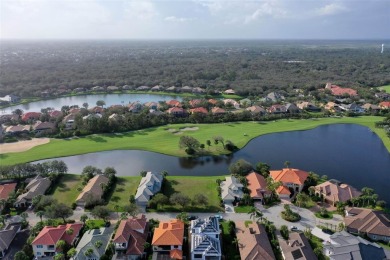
<point>168,239</point>
<point>130,238</point>
<point>205,239</point>
<point>45,242</point>
<point>36,186</point>
<point>292,179</point>
<point>148,186</point>
<point>231,190</point>
<point>93,244</point>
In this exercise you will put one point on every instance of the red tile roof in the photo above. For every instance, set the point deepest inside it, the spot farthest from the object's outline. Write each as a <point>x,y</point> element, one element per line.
<point>30,115</point>
<point>174,103</point>
<point>283,190</point>
<point>6,189</point>
<point>195,102</point>
<point>290,175</point>
<point>51,235</point>
<point>176,254</point>
<point>175,110</point>
<point>169,233</point>
<point>385,104</point>
<point>217,110</point>
<point>213,101</point>
<point>199,110</point>
<point>338,91</point>
<point>257,185</point>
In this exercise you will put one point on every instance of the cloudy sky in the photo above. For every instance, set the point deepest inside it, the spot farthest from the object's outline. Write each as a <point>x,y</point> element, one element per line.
<point>195,19</point>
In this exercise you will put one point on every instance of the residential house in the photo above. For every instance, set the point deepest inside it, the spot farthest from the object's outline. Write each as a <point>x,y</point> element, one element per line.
<point>176,111</point>
<point>231,190</point>
<point>274,97</point>
<point>143,88</point>
<point>292,179</point>
<point>229,92</point>
<point>308,106</point>
<point>195,102</point>
<point>7,235</point>
<point>370,107</point>
<point>74,110</point>
<point>291,108</point>
<point>69,121</point>
<point>200,110</point>
<point>128,87</point>
<point>157,88</point>
<point>373,223</point>
<point>205,239</point>
<point>212,101</point>
<point>8,118</point>
<point>10,98</point>
<point>36,186</point>
<point>198,90</point>
<point>90,240</point>
<point>44,127</point>
<point>338,91</point>
<point>112,88</point>
<point>148,186</point>
<point>382,95</point>
<point>92,116</point>
<point>6,189</point>
<point>384,105</point>
<point>257,186</point>
<point>17,129</point>
<point>333,191</point>
<point>186,89</point>
<point>98,89</point>
<point>93,190</point>
<point>231,102</point>
<point>353,107</point>
<point>296,247</point>
<point>173,103</point>
<point>253,241</point>
<point>130,238</point>
<point>256,110</point>
<point>55,114</point>
<point>152,105</point>
<point>218,111</point>
<point>96,110</point>
<point>168,240</point>
<point>135,107</point>
<point>31,116</point>
<point>332,107</point>
<point>277,109</point>
<point>44,244</point>
<point>172,89</point>
<point>79,90</point>
<point>342,245</point>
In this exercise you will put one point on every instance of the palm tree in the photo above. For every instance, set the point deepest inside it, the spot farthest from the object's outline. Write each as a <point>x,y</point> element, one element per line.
<point>287,164</point>
<point>300,198</point>
<point>83,218</point>
<point>40,214</point>
<point>98,244</point>
<point>61,244</point>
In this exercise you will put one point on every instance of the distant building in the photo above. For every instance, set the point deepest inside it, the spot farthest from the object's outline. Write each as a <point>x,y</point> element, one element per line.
<point>10,98</point>
<point>229,92</point>
<point>338,91</point>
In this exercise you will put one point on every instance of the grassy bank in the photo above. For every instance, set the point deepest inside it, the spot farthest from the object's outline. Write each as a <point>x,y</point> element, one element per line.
<point>159,139</point>
<point>65,190</point>
<point>385,88</point>
<point>125,186</point>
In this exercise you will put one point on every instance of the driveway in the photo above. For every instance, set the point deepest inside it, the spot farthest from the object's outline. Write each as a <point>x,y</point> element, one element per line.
<point>17,244</point>
<point>229,208</point>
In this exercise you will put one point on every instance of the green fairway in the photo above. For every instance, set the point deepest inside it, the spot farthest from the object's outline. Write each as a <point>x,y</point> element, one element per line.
<point>163,140</point>
<point>191,185</point>
<point>125,186</point>
<point>385,88</point>
<point>66,190</point>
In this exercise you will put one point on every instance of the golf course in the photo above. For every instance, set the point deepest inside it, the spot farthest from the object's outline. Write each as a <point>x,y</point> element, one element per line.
<point>165,139</point>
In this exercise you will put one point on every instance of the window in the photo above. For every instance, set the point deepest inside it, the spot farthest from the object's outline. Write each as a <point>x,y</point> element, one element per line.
<point>39,246</point>
<point>197,255</point>
<point>175,246</point>
<point>216,236</point>
<point>38,253</point>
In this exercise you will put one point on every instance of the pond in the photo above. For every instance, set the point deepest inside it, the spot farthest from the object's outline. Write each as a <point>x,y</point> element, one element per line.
<point>347,152</point>
<point>109,99</point>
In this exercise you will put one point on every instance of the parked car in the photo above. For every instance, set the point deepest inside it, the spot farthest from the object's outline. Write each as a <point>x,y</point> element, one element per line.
<point>218,217</point>
<point>294,228</point>
<point>192,217</point>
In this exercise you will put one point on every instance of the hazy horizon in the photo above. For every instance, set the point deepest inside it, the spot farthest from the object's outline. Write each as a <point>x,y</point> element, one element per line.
<point>194,20</point>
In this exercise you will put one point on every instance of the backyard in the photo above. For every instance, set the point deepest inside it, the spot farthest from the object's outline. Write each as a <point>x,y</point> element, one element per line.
<point>125,186</point>
<point>65,191</point>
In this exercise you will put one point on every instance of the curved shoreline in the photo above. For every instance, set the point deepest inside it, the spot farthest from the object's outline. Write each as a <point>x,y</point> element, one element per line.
<point>159,140</point>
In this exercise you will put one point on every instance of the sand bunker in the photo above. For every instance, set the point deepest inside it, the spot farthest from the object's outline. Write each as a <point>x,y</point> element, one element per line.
<point>194,128</point>
<point>22,146</point>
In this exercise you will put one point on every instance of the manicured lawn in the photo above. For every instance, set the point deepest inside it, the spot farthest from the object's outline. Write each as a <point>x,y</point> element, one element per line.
<point>159,139</point>
<point>191,185</point>
<point>330,215</point>
<point>94,223</point>
<point>385,88</point>
<point>125,186</point>
<point>242,209</point>
<point>66,189</point>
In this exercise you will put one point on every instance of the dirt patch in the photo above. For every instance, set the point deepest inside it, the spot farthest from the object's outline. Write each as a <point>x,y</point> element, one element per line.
<point>22,146</point>
<point>194,128</point>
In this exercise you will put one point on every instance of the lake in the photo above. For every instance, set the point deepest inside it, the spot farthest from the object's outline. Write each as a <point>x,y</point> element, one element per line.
<point>110,99</point>
<point>347,152</point>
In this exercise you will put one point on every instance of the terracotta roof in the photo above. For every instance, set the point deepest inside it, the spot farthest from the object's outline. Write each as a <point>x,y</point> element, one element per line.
<point>337,192</point>
<point>385,104</point>
<point>169,233</point>
<point>283,190</point>
<point>6,189</point>
<point>133,231</point>
<point>338,91</point>
<point>195,102</point>
<point>290,175</point>
<point>217,110</point>
<point>199,110</point>
<point>93,187</point>
<point>213,101</point>
<point>29,115</point>
<point>257,185</point>
<point>176,254</point>
<point>51,235</point>
<point>253,241</point>
<point>55,113</point>
<point>368,221</point>
<point>174,110</point>
<point>174,103</point>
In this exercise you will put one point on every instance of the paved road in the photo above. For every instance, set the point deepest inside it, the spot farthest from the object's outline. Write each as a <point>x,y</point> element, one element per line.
<point>308,220</point>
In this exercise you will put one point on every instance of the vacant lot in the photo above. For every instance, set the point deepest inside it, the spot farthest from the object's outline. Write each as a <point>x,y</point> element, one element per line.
<point>66,189</point>
<point>191,185</point>
<point>125,187</point>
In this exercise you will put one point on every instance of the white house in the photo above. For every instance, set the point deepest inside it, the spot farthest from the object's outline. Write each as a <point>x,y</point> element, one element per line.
<point>148,186</point>
<point>231,190</point>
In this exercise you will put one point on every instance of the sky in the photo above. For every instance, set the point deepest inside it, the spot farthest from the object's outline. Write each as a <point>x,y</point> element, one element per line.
<point>194,19</point>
